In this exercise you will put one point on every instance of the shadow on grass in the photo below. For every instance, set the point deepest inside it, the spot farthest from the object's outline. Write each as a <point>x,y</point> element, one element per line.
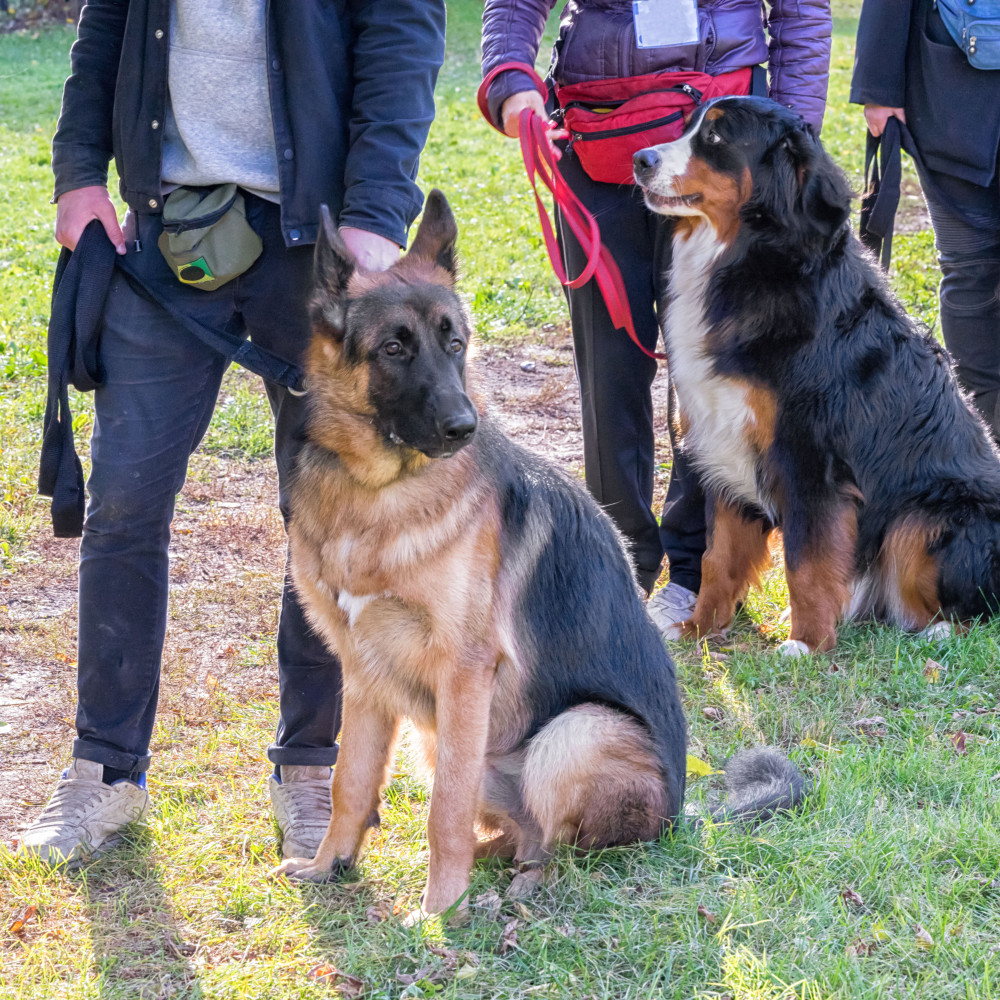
<point>139,950</point>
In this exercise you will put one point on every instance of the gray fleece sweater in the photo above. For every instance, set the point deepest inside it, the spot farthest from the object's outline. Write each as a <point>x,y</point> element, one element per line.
<point>218,126</point>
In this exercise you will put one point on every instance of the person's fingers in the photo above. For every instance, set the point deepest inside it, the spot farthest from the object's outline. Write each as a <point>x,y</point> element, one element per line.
<point>108,218</point>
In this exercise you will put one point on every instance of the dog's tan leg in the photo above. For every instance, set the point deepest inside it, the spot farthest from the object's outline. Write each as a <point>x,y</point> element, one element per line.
<point>366,742</point>
<point>463,711</point>
<point>819,583</point>
<point>737,554</point>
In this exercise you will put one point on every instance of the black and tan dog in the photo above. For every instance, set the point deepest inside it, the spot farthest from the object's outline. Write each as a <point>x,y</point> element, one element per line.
<point>474,589</point>
<point>807,396</point>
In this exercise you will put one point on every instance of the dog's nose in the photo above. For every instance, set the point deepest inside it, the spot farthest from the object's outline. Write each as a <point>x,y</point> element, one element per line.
<point>645,162</point>
<point>459,426</point>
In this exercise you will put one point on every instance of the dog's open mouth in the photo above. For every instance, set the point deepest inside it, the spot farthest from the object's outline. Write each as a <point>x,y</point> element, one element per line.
<point>670,201</point>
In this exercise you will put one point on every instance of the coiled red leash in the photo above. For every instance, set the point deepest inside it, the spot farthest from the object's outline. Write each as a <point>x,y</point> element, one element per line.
<point>540,166</point>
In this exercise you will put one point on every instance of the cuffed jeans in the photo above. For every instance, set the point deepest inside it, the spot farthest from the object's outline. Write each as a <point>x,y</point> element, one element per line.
<point>160,388</point>
<point>967,238</point>
<point>616,379</point>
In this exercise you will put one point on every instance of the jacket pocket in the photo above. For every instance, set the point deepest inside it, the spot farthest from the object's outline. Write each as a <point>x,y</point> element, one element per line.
<point>953,110</point>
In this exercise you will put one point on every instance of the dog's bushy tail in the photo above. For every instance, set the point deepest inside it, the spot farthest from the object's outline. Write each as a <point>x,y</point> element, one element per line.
<point>759,783</point>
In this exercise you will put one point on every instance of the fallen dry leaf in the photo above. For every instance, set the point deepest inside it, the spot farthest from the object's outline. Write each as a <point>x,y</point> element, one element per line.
<point>932,671</point>
<point>851,897</point>
<point>958,741</point>
<point>382,910</point>
<point>508,939</point>
<point>860,949</point>
<point>490,902</point>
<point>873,726</point>
<point>721,657</point>
<point>924,940</point>
<point>566,930</point>
<point>422,975</point>
<point>17,924</point>
<point>704,911</point>
<point>697,768</point>
<point>714,714</point>
<point>341,982</point>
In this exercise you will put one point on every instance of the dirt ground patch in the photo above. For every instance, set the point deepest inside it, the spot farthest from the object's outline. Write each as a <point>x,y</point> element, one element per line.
<point>227,561</point>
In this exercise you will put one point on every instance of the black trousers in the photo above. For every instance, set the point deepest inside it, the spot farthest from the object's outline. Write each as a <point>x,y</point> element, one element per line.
<point>967,237</point>
<point>615,384</point>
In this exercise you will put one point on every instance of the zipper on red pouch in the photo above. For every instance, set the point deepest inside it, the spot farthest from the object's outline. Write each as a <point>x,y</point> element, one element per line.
<point>611,133</point>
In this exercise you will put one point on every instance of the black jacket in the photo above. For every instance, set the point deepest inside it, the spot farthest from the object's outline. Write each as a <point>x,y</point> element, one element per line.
<point>352,98</point>
<point>906,59</point>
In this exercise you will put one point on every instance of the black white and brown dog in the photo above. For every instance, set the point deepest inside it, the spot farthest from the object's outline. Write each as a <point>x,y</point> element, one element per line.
<point>808,398</point>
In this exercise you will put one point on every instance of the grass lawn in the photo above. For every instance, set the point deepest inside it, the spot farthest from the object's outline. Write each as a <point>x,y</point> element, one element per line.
<point>887,885</point>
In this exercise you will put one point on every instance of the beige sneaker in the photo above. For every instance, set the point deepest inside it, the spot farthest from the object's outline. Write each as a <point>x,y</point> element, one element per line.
<point>302,807</point>
<point>84,817</point>
<point>670,607</point>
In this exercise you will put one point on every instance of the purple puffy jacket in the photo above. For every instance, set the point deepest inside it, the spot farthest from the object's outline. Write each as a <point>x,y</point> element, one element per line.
<point>597,41</point>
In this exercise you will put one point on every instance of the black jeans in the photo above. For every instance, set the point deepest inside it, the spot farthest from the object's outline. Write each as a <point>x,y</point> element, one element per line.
<point>967,237</point>
<point>160,389</point>
<point>615,380</point>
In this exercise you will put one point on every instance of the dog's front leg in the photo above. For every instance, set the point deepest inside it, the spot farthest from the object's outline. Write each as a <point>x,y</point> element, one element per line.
<point>819,567</point>
<point>736,556</point>
<point>368,736</point>
<point>463,716</point>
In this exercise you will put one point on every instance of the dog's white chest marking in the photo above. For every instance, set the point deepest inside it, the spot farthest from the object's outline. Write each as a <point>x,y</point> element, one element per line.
<point>353,604</point>
<point>716,409</point>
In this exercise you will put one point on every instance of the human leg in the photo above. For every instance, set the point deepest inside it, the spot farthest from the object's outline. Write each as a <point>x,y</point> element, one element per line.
<point>966,220</point>
<point>159,390</point>
<point>614,375</point>
<point>273,298</point>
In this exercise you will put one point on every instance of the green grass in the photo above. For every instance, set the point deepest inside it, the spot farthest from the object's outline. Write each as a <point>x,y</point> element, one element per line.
<point>186,909</point>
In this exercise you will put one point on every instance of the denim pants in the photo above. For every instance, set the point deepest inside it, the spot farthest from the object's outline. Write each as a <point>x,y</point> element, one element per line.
<point>616,379</point>
<point>160,389</point>
<point>967,238</point>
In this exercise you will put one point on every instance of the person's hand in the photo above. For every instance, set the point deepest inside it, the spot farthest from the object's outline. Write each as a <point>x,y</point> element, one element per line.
<point>371,251</point>
<point>510,110</point>
<point>75,209</point>
<point>877,115</point>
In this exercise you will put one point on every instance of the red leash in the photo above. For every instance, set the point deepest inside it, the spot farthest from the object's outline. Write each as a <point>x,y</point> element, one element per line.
<point>540,166</point>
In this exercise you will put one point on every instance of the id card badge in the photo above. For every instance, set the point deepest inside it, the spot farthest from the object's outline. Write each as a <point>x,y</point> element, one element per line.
<point>665,22</point>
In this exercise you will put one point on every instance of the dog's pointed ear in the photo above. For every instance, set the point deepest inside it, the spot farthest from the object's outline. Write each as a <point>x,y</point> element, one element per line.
<point>436,235</point>
<point>824,201</point>
<point>332,269</point>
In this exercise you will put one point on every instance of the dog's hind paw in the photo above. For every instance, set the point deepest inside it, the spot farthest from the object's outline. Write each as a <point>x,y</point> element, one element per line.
<point>524,884</point>
<point>793,647</point>
<point>306,870</point>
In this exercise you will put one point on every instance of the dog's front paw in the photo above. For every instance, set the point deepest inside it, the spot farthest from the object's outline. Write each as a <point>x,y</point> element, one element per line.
<point>937,630</point>
<point>456,917</point>
<point>793,647</point>
<point>307,870</point>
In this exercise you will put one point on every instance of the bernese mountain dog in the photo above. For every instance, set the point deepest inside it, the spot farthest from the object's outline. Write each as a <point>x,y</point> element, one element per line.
<point>808,398</point>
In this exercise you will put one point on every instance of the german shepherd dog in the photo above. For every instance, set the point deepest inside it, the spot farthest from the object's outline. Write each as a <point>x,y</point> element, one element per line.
<point>472,587</point>
<point>807,396</point>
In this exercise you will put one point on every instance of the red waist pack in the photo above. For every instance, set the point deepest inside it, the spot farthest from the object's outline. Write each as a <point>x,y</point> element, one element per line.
<point>611,120</point>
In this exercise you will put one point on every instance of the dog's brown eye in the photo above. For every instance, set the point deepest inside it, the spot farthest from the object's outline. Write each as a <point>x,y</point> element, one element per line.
<point>713,138</point>
<point>392,348</point>
<point>456,346</point>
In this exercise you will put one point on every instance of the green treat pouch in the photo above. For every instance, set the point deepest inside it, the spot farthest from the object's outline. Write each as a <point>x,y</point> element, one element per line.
<point>206,239</point>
